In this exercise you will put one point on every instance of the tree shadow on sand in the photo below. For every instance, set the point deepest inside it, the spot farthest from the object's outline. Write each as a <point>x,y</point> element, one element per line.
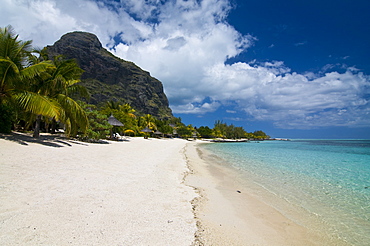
<point>56,141</point>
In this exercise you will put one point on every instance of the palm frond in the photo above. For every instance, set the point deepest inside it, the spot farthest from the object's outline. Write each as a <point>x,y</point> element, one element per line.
<point>37,104</point>
<point>69,69</point>
<point>78,89</point>
<point>35,70</point>
<point>73,111</point>
<point>8,69</point>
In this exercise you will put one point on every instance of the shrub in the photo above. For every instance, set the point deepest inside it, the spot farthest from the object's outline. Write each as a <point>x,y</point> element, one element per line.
<point>6,118</point>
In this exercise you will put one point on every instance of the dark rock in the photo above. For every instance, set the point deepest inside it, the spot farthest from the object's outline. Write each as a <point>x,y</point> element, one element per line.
<point>108,77</point>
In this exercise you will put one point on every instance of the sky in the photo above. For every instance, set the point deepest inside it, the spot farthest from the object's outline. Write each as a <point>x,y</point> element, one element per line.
<point>294,69</point>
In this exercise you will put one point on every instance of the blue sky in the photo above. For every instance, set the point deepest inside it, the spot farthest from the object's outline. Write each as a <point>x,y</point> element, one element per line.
<point>296,69</point>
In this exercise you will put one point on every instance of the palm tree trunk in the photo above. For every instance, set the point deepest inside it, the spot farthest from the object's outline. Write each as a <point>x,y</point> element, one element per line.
<point>47,127</point>
<point>36,132</point>
<point>53,125</point>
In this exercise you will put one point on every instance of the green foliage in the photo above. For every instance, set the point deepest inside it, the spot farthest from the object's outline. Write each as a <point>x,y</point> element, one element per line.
<point>55,86</point>
<point>205,132</point>
<point>219,129</point>
<point>6,118</point>
<point>38,86</point>
<point>234,132</point>
<point>148,121</point>
<point>163,126</point>
<point>260,135</point>
<point>124,113</point>
<point>223,130</point>
<point>186,131</point>
<point>13,52</point>
<point>98,124</point>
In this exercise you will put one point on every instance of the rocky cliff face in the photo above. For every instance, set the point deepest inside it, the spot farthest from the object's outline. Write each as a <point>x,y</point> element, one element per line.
<point>110,78</point>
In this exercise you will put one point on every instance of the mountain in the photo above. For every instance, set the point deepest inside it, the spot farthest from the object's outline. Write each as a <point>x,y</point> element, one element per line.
<point>108,77</point>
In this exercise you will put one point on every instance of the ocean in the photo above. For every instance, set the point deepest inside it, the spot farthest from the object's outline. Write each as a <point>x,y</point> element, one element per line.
<point>329,179</point>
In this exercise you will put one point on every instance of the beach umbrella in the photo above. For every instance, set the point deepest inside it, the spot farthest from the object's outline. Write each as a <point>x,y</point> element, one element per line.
<point>129,131</point>
<point>113,121</point>
<point>146,130</point>
<point>158,133</point>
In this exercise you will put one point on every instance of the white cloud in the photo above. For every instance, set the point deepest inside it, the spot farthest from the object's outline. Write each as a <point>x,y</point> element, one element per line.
<point>185,44</point>
<point>300,43</point>
<point>198,108</point>
<point>231,111</point>
<point>45,21</point>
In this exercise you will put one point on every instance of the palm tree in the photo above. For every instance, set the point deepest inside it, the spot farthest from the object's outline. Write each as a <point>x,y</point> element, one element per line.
<point>16,72</point>
<point>57,84</point>
<point>149,121</point>
<point>219,129</point>
<point>111,106</point>
<point>128,110</point>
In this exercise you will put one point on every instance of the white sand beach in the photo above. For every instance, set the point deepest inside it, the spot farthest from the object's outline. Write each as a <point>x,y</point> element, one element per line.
<point>138,192</point>
<point>231,210</point>
<point>60,192</point>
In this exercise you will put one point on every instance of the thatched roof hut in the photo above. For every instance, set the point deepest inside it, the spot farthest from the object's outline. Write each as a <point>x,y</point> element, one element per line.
<point>114,122</point>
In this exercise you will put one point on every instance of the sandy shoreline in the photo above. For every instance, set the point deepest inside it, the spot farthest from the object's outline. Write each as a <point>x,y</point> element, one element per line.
<point>232,211</point>
<point>59,192</point>
<point>140,192</point>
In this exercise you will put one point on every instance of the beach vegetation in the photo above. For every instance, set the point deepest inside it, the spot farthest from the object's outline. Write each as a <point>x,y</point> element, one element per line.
<point>40,87</point>
<point>164,126</point>
<point>125,114</point>
<point>57,84</point>
<point>223,130</point>
<point>205,132</point>
<point>219,129</point>
<point>6,118</point>
<point>260,135</point>
<point>98,127</point>
<point>17,70</point>
<point>148,121</point>
<point>186,131</point>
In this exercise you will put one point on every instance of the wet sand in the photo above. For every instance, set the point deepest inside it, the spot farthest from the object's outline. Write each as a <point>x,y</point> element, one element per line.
<point>231,210</point>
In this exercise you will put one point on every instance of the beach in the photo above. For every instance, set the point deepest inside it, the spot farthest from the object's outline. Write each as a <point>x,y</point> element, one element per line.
<point>56,191</point>
<point>232,210</point>
<point>62,192</point>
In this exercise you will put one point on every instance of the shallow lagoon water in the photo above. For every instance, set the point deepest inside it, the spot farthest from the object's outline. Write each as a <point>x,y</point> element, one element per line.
<point>328,178</point>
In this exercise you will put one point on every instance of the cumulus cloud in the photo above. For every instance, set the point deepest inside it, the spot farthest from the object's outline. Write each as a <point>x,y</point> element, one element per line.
<point>186,44</point>
<point>45,21</point>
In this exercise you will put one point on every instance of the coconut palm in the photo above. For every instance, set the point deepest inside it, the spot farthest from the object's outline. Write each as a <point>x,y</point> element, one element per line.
<point>149,121</point>
<point>16,72</point>
<point>57,84</point>
<point>111,106</point>
<point>128,110</point>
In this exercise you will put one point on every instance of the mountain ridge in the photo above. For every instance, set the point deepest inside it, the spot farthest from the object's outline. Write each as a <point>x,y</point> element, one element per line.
<point>108,77</point>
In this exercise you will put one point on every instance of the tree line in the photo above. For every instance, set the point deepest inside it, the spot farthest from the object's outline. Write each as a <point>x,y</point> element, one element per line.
<point>223,130</point>
<point>35,89</point>
<point>42,94</point>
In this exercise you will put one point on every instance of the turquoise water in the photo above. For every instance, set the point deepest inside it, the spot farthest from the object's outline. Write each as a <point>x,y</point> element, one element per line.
<point>328,178</point>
